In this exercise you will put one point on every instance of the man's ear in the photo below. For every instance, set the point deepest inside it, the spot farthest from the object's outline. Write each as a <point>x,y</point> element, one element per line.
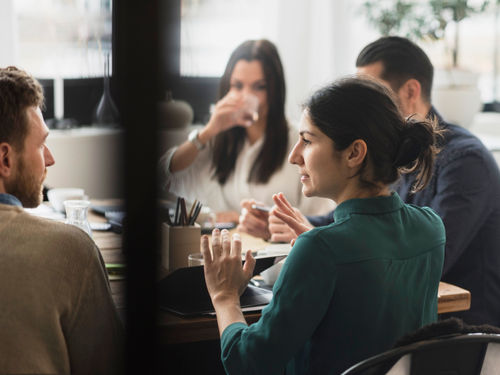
<point>6,159</point>
<point>356,153</point>
<point>411,91</point>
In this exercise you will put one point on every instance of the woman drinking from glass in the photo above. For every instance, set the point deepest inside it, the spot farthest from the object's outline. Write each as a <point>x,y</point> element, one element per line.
<point>241,152</point>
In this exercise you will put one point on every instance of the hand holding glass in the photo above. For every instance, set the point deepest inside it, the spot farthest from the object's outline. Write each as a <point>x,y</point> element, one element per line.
<point>235,109</point>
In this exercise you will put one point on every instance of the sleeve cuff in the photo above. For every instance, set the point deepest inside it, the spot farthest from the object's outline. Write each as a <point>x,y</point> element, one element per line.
<point>230,331</point>
<point>164,164</point>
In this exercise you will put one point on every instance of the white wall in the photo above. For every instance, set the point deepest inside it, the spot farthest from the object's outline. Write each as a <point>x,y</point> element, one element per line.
<point>318,41</point>
<point>7,35</point>
<point>88,158</point>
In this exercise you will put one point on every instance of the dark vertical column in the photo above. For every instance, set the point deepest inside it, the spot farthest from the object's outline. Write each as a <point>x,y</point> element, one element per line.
<point>136,68</point>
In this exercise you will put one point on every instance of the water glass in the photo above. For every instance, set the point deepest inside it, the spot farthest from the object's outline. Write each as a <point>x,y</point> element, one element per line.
<point>195,259</point>
<point>76,214</point>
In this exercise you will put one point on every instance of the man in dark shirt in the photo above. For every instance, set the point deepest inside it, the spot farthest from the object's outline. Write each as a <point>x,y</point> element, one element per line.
<point>464,191</point>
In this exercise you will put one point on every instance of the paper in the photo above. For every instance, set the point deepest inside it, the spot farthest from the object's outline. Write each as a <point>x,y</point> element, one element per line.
<point>45,211</point>
<point>275,249</point>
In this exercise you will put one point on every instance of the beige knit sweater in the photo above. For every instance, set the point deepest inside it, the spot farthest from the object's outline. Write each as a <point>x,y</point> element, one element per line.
<point>56,311</point>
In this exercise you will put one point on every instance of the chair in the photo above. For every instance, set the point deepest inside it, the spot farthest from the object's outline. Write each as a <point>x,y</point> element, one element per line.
<point>453,354</point>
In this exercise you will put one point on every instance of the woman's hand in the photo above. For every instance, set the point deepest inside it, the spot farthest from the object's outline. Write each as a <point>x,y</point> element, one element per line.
<point>229,112</point>
<point>253,221</point>
<point>226,217</point>
<point>225,277</point>
<point>232,110</point>
<point>290,216</point>
<point>279,230</point>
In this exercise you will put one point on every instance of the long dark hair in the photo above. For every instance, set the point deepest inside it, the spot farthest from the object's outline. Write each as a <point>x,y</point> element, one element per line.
<point>228,144</point>
<point>359,108</point>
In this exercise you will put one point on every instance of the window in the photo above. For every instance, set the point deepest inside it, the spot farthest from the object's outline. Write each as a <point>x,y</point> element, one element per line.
<point>476,51</point>
<point>62,38</point>
<point>318,40</point>
<point>212,29</point>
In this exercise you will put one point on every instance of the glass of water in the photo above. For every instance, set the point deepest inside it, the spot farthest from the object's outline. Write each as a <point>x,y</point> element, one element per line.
<point>76,214</point>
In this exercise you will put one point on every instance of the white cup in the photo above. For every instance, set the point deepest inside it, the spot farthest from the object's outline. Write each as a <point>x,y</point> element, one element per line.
<point>271,274</point>
<point>58,195</point>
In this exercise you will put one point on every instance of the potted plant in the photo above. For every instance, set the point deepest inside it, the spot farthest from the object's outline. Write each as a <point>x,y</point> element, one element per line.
<point>455,90</point>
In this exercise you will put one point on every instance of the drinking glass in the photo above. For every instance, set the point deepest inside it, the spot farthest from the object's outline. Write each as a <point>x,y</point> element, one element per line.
<point>247,109</point>
<point>195,259</point>
<point>76,214</point>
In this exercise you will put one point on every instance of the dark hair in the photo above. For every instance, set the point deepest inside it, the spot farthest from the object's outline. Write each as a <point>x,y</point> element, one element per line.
<point>359,108</point>
<point>401,60</point>
<point>228,144</point>
<point>18,91</point>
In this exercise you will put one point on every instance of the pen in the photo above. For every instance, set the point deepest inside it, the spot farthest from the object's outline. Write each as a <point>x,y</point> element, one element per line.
<point>183,212</point>
<point>261,208</point>
<point>191,211</point>
<point>176,217</point>
<point>196,213</point>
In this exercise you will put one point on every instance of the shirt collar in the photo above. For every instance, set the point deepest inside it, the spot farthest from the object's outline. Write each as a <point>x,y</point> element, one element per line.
<point>10,200</point>
<point>376,205</point>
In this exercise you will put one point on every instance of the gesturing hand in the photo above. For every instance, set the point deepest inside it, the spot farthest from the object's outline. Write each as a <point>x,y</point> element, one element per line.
<point>253,221</point>
<point>280,231</point>
<point>225,277</point>
<point>289,216</point>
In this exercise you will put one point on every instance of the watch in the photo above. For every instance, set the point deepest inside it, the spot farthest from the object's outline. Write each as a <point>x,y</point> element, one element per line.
<point>193,138</point>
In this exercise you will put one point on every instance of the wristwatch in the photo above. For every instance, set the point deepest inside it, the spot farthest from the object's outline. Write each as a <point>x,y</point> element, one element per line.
<point>193,138</point>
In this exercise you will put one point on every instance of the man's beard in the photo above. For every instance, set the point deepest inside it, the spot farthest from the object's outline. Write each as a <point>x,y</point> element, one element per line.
<point>25,187</point>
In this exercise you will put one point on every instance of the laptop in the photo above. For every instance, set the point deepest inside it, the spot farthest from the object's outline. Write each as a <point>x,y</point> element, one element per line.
<point>184,292</point>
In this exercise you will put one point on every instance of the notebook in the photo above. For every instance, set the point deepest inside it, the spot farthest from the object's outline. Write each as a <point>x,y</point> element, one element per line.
<point>184,292</point>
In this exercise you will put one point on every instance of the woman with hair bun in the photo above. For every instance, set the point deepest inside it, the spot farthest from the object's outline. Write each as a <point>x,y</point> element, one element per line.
<point>348,290</point>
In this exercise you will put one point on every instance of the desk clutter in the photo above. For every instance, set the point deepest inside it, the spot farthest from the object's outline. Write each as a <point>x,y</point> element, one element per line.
<point>56,209</point>
<point>184,292</point>
<point>181,217</point>
<point>182,230</point>
<point>115,215</point>
<point>180,235</point>
<point>177,243</point>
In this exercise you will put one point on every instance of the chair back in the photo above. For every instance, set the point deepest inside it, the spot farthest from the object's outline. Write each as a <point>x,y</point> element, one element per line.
<point>455,354</point>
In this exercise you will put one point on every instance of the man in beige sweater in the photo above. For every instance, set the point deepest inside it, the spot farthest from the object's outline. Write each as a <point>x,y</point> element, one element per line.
<point>56,311</point>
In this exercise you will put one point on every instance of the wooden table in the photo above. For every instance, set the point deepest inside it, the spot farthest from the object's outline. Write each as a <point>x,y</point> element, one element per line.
<point>110,245</point>
<point>452,298</point>
<point>175,329</point>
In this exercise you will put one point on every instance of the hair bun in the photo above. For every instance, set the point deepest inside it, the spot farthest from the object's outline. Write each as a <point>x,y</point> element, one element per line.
<point>416,137</point>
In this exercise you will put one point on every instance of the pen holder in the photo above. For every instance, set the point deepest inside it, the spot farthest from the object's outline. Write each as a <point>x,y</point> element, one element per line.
<point>177,243</point>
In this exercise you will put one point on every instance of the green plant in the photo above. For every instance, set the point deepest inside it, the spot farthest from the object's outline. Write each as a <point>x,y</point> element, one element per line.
<point>422,20</point>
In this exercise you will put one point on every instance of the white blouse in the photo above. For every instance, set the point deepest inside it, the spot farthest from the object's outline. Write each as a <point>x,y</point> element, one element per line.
<point>197,182</point>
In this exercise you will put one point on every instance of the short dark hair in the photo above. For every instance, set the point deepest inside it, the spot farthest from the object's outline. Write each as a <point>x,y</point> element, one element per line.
<point>360,108</point>
<point>402,60</point>
<point>18,91</point>
<point>228,144</point>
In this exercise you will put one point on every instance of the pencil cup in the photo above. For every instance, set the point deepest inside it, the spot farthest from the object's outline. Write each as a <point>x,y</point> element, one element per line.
<point>177,243</point>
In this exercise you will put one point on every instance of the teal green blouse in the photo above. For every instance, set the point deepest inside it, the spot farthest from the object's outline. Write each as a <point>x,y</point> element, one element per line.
<point>346,292</point>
